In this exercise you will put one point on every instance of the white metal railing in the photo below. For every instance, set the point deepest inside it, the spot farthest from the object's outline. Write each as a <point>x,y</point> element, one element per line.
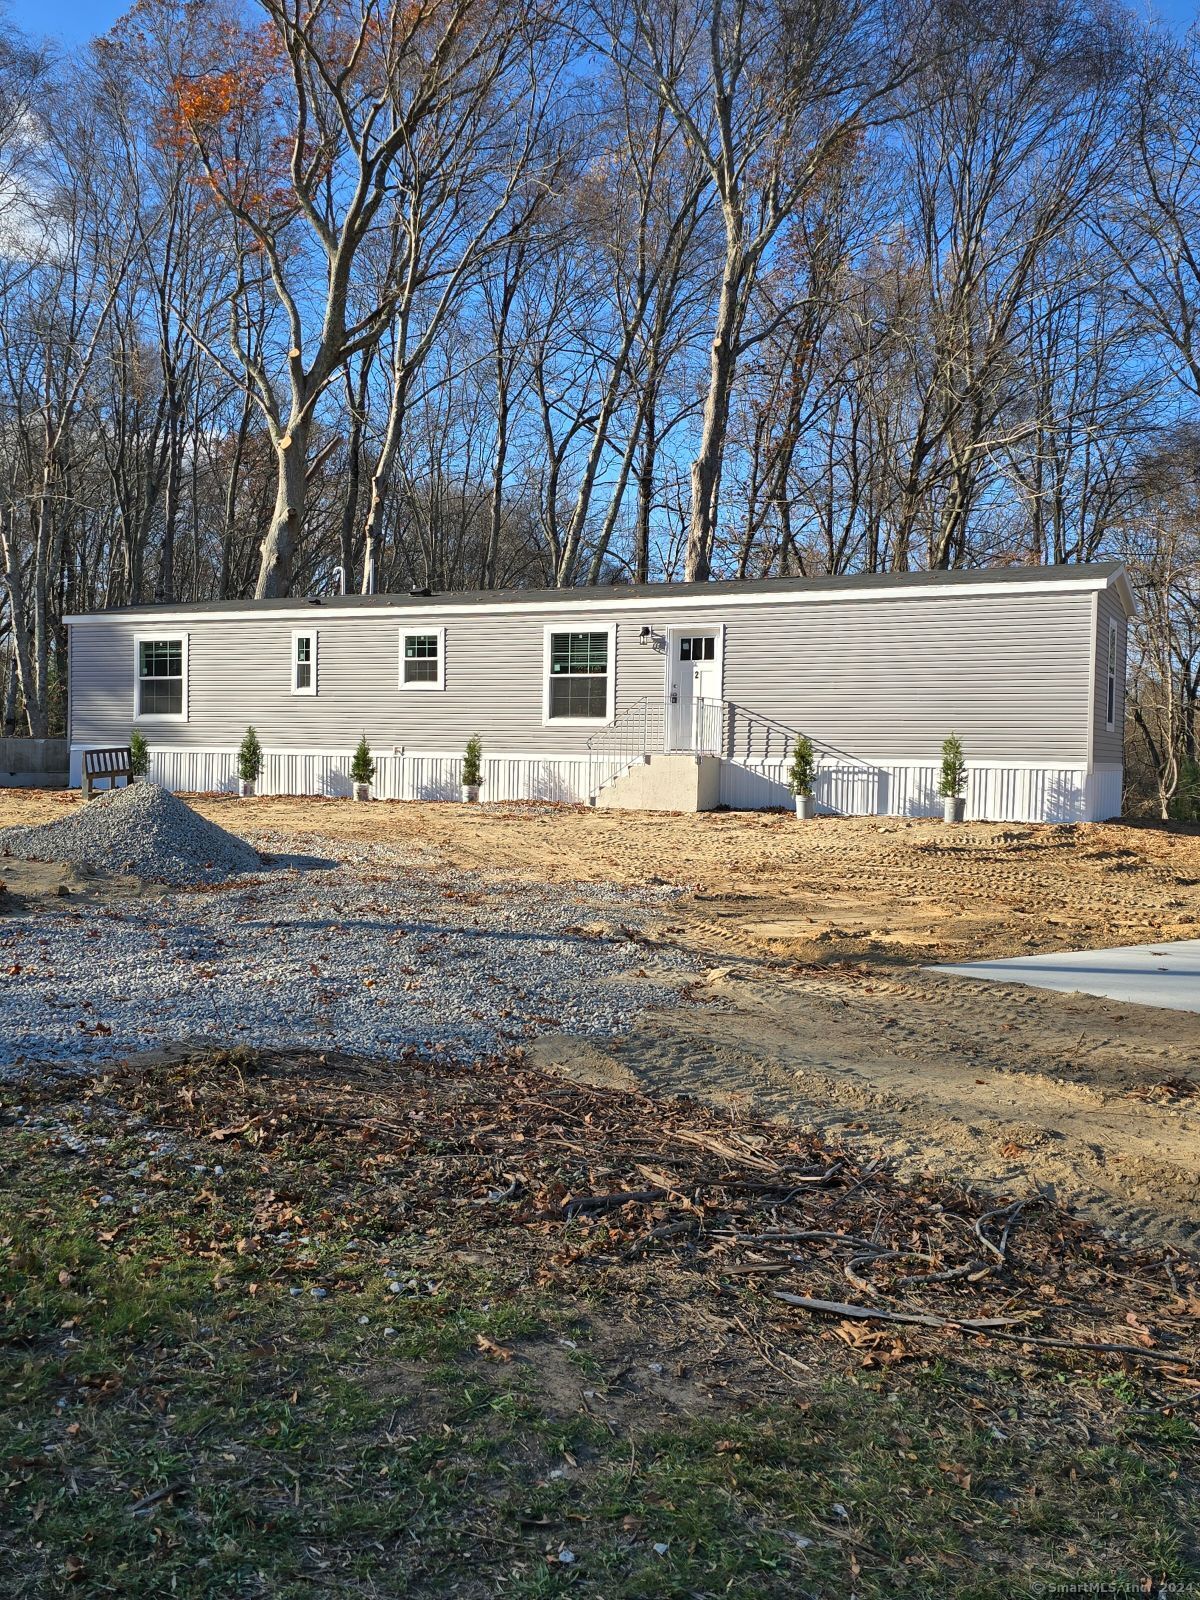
<point>748,735</point>
<point>635,733</point>
<point>706,727</point>
<point>707,730</point>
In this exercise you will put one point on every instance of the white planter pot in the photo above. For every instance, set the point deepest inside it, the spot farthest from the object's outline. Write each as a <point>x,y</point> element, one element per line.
<point>953,807</point>
<point>245,787</point>
<point>470,792</point>
<point>806,807</point>
<point>362,791</point>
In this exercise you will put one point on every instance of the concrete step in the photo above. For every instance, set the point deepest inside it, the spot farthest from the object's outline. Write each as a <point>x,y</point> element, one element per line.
<point>676,782</point>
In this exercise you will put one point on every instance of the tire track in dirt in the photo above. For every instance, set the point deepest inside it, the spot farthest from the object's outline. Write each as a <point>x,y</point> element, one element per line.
<point>983,1084</point>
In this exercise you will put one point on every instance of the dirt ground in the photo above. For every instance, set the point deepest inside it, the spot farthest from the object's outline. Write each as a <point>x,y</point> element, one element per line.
<point>817,1008</point>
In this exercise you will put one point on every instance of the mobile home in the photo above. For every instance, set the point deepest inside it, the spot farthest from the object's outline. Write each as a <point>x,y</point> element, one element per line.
<point>674,695</point>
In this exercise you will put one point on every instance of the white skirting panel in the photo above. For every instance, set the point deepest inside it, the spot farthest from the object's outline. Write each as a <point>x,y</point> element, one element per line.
<point>841,788</point>
<point>995,793</point>
<point>1028,794</point>
<point>1106,791</point>
<point>429,776</point>
<point>203,771</point>
<point>415,775</point>
<point>899,789</point>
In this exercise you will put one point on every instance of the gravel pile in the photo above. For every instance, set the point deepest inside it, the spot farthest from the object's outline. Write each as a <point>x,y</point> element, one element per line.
<point>141,829</point>
<point>382,950</point>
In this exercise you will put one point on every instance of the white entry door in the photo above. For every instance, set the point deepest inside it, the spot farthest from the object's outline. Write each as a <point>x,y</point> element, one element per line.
<point>694,691</point>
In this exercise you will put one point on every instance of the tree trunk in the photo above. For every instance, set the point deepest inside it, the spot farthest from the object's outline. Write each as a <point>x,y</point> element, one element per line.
<point>166,562</point>
<point>350,504</point>
<point>615,501</point>
<point>36,691</point>
<point>10,697</point>
<point>645,494</point>
<point>496,508</point>
<point>22,651</point>
<point>279,545</point>
<point>706,468</point>
<point>231,494</point>
<point>383,465</point>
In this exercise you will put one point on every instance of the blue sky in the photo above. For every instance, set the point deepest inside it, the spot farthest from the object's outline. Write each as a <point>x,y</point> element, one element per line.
<point>73,21</point>
<point>1180,12</point>
<point>70,21</point>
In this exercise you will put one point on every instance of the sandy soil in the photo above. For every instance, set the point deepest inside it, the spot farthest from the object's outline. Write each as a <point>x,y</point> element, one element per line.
<point>27,886</point>
<point>817,1008</point>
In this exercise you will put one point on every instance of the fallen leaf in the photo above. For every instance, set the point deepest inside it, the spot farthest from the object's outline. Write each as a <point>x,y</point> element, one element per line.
<point>493,1351</point>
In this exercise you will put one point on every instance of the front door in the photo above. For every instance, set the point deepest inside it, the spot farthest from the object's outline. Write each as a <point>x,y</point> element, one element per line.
<point>693,721</point>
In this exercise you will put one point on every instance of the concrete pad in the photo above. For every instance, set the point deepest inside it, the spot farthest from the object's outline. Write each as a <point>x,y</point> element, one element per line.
<point>1139,974</point>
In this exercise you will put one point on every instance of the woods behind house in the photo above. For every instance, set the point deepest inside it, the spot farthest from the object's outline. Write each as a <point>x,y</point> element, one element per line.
<point>450,294</point>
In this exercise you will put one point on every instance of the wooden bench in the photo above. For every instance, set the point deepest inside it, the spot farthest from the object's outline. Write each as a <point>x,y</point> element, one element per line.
<point>105,764</point>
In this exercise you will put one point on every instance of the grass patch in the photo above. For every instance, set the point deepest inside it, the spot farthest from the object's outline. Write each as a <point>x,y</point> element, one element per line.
<point>292,1329</point>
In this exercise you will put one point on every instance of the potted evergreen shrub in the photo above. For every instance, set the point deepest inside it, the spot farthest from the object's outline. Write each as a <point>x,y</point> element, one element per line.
<point>139,755</point>
<point>954,779</point>
<point>472,768</point>
<point>362,770</point>
<point>800,778</point>
<point>250,763</point>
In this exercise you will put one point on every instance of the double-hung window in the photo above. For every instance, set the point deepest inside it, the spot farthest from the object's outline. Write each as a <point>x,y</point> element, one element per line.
<point>160,665</point>
<point>1110,704</point>
<point>579,675</point>
<point>304,662</point>
<point>423,658</point>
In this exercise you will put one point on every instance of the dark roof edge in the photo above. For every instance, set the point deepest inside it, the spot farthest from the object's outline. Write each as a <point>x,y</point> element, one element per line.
<point>1093,574</point>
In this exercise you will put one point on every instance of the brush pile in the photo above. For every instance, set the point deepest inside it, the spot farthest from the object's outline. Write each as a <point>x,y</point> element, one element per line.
<point>754,1222</point>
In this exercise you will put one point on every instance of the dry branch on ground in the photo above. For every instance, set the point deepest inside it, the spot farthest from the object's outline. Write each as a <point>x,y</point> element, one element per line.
<point>633,1195</point>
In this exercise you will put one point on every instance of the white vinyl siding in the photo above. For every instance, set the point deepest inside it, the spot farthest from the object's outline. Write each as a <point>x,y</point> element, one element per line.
<point>1110,687</point>
<point>1110,646</point>
<point>880,678</point>
<point>304,662</point>
<point>160,663</point>
<point>423,658</point>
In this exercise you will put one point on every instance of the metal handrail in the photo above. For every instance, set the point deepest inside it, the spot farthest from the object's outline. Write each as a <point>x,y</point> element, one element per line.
<point>633,734</point>
<point>718,726</point>
<point>771,727</point>
<point>709,727</point>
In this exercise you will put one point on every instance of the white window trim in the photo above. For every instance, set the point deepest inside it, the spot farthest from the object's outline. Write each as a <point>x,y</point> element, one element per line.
<point>582,626</point>
<point>160,635</point>
<point>311,635</point>
<point>1111,678</point>
<point>422,633</point>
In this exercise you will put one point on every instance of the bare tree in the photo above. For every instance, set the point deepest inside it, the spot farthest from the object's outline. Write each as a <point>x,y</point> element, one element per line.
<point>765,95</point>
<point>1162,547</point>
<point>362,86</point>
<point>52,323</point>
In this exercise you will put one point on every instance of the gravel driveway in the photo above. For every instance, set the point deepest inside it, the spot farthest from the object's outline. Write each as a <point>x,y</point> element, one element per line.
<point>381,949</point>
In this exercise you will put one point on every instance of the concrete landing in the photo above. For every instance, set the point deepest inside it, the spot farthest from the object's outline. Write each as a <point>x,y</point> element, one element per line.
<point>1138,974</point>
